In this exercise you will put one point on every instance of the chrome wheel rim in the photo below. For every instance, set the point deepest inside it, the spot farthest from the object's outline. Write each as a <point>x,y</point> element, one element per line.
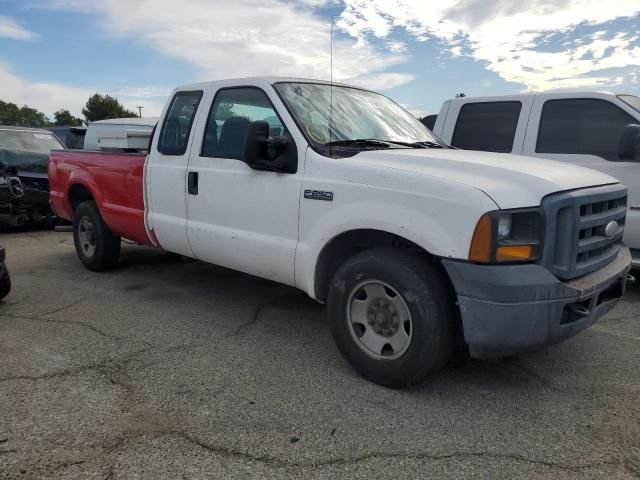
<point>379,320</point>
<point>87,237</point>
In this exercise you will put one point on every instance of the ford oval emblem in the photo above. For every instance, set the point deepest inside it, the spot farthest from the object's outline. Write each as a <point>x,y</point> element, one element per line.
<point>611,229</point>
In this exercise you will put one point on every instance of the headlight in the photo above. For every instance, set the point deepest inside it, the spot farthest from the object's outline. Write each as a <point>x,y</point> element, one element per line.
<point>507,236</point>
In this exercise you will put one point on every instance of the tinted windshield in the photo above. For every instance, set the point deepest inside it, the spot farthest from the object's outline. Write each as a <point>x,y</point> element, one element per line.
<point>349,114</point>
<point>25,150</point>
<point>631,100</point>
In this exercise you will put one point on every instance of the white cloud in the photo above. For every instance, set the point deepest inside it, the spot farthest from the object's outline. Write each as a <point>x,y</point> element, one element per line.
<point>382,81</point>
<point>149,91</point>
<point>506,35</point>
<point>46,97</point>
<point>50,97</point>
<point>9,28</point>
<point>226,39</point>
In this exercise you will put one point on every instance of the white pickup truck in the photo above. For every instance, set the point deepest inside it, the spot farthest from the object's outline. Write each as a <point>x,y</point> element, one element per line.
<point>598,130</point>
<point>415,247</point>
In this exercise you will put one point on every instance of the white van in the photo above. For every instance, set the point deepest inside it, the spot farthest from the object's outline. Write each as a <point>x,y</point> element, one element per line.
<point>598,130</point>
<point>120,134</point>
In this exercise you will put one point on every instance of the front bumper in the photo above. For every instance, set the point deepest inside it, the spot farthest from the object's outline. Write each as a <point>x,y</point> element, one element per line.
<point>508,309</point>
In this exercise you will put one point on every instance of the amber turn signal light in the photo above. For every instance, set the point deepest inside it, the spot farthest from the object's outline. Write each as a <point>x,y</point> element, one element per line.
<point>481,243</point>
<point>514,253</point>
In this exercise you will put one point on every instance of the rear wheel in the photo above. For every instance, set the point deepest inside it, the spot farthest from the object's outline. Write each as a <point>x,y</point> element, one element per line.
<point>392,316</point>
<point>97,247</point>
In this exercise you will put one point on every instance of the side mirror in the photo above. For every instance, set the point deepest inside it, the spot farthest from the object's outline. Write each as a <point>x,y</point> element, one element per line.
<point>629,149</point>
<point>261,152</point>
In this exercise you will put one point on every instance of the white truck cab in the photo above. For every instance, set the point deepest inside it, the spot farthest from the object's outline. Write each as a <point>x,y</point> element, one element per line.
<point>597,130</point>
<point>415,247</point>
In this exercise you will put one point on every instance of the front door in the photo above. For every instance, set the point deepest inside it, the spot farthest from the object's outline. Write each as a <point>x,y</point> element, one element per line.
<point>239,217</point>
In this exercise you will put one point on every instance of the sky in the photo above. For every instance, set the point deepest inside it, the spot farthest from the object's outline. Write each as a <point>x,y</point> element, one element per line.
<point>55,53</point>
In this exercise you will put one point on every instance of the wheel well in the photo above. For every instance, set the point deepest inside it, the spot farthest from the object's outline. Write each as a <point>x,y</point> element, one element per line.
<point>348,244</point>
<point>78,194</point>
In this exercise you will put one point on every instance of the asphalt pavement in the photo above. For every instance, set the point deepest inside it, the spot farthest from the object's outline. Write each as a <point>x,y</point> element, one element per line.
<point>172,368</point>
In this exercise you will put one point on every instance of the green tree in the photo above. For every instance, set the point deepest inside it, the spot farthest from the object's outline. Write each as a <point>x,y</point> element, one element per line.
<point>9,114</point>
<point>63,118</point>
<point>30,117</point>
<point>102,107</point>
<point>24,116</point>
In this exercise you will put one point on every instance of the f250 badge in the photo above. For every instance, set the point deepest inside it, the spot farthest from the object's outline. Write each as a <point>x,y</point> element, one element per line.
<point>318,195</point>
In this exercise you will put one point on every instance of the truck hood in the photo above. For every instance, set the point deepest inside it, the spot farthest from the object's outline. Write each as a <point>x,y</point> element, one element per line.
<point>512,181</point>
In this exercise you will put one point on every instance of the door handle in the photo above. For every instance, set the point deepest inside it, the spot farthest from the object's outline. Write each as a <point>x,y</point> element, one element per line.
<point>192,183</point>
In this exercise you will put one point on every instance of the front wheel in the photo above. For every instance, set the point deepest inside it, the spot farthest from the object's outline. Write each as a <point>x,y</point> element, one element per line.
<point>392,316</point>
<point>97,248</point>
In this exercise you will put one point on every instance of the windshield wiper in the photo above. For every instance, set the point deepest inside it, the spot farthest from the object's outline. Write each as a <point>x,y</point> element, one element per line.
<point>429,144</point>
<point>364,142</point>
<point>388,143</point>
<point>379,143</point>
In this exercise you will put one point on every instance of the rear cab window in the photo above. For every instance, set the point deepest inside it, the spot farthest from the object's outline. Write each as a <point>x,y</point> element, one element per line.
<point>583,126</point>
<point>487,126</point>
<point>176,127</point>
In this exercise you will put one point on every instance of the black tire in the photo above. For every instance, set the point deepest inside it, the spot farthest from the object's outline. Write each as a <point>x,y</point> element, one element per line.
<point>5,283</point>
<point>430,302</point>
<point>106,246</point>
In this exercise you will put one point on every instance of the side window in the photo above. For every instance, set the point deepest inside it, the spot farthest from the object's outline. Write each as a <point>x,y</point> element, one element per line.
<point>584,126</point>
<point>489,126</point>
<point>232,111</point>
<point>176,127</point>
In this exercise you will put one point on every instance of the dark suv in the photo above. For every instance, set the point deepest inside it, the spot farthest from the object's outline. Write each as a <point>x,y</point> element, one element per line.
<point>24,183</point>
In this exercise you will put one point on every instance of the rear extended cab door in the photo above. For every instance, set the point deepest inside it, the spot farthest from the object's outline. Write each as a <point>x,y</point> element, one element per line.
<point>165,171</point>
<point>485,123</point>
<point>577,122</point>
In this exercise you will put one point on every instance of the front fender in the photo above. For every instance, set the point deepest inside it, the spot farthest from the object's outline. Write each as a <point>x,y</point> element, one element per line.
<point>440,232</point>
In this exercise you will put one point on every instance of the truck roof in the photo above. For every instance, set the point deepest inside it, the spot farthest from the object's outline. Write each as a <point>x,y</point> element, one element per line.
<point>269,79</point>
<point>568,93</point>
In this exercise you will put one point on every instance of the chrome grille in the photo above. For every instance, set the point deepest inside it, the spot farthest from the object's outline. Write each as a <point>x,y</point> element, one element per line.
<point>577,241</point>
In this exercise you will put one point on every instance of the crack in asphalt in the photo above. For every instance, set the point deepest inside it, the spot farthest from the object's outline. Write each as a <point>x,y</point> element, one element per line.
<point>107,367</point>
<point>270,460</point>
<point>259,310</point>
<point>274,461</point>
<point>256,316</point>
<point>59,309</point>
<point>42,318</point>
<point>104,367</point>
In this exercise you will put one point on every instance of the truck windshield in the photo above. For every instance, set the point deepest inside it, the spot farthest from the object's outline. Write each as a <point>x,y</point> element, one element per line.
<point>631,100</point>
<point>354,118</point>
<point>26,150</point>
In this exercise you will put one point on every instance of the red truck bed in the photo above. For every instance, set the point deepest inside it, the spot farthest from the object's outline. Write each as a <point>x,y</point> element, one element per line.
<point>114,181</point>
